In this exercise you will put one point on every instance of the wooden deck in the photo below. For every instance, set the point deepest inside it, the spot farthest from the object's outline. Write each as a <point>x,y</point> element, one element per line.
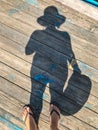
<point>39,65</point>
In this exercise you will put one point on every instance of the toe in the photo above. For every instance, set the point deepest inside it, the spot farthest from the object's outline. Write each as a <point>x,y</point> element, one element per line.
<point>55,108</point>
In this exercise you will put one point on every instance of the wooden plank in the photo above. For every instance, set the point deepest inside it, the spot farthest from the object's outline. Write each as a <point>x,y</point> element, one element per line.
<point>77,47</point>
<point>34,19</point>
<point>73,82</point>
<point>18,65</point>
<point>71,122</point>
<point>87,57</point>
<point>52,80</point>
<point>3,127</point>
<point>8,115</point>
<point>80,32</point>
<point>19,51</point>
<point>89,112</point>
<point>21,17</point>
<point>7,125</point>
<point>88,109</point>
<point>13,122</point>
<point>81,7</point>
<point>72,15</point>
<point>59,58</point>
<point>17,109</point>
<point>9,121</point>
<point>75,17</point>
<point>37,62</point>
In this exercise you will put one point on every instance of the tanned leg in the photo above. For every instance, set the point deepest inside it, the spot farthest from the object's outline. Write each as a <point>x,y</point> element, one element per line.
<point>30,122</point>
<point>54,118</point>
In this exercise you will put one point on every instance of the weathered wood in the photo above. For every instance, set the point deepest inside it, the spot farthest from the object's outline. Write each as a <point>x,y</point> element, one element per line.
<point>17,110</point>
<point>60,58</point>
<point>15,121</point>
<point>89,58</point>
<point>27,21</point>
<point>11,119</point>
<point>8,119</point>
<point>82,56</point>
<point>81,32</point>
<point>3,127</point>
<point>79,54</point>
<point>40,61</point>
<point>19,51</point>
<point>23,16</point>
<point>81,6</point>
<point>82,20</point>
<point>89,112</point>
<point>46,75</point>
<point>72,82</point>
<point>64,120</point>
<point>52,80</point>
<point>72,15</point>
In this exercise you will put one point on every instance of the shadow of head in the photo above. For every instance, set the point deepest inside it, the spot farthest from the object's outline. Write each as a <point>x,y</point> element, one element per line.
<point>51,17</point>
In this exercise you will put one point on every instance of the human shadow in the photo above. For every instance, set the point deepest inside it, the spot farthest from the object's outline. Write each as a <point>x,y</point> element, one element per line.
<point>52,54</point>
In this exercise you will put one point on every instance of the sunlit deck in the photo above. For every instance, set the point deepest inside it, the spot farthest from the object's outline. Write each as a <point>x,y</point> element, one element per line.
<point>40,63</point>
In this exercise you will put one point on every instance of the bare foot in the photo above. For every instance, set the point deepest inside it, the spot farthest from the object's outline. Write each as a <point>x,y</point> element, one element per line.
<point>27,116</point>
<point>55,116</point>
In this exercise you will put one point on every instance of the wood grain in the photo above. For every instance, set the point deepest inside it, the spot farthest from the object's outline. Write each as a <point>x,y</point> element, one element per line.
<point>40,65</point>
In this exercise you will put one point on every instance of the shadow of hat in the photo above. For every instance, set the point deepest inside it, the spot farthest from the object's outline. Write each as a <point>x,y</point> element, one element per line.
<point>51,17</point>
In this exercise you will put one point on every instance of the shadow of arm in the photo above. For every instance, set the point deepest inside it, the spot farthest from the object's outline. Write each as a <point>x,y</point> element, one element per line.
<point>29,47</point>
<point>72,60</point>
